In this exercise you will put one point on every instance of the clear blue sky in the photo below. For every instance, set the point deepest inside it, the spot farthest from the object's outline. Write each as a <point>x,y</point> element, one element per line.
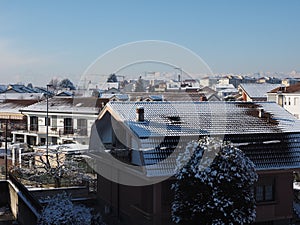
<point>42,39</point>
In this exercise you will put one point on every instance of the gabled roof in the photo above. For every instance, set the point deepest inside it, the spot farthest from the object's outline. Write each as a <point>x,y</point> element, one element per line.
<point>14,105</point>
<point>43,90</point>
<point>20,88</point>
<point>89,105</point>
<point>121,97</point>
<point>258,90</point>
<point>266,133</point>
<point>203,118</point>
<point>156,97</point>
<point>290,89</point>
<point>3,88</point>
<point>64,93</point>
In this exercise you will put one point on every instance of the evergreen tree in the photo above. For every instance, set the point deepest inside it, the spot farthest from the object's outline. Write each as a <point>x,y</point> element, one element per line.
<point>112,78</point>
<point>66,83</point>
<point>214,185</point>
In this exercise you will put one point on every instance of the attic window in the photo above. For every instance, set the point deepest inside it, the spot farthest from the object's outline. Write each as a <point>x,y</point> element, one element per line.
<point>174,120</point>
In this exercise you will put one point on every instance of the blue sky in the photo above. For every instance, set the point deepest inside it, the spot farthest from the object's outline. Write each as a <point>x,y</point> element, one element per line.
<point>44,39</point>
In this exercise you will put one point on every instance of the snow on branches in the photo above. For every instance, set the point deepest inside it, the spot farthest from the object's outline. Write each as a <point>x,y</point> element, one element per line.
<point>214,185</point>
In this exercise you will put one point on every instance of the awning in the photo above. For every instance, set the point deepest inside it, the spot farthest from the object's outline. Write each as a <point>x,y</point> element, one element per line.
<point>11,116</point>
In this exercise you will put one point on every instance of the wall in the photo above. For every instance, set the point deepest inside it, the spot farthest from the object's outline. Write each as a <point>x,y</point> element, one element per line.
<point>19,205</point>
<point>4,197</point>
<point>281,208</point>
<point>291,105</point>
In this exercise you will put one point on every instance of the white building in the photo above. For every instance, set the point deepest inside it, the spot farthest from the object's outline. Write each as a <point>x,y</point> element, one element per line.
<point>288,98</point>
<point>69,120</point>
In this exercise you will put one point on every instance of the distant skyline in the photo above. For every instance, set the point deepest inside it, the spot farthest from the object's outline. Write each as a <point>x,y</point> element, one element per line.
<point>44,39</point>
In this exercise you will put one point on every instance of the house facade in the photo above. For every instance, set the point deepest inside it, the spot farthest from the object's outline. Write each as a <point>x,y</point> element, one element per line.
<point>288,98</point>
<point>11,117</point>
<point>147,136</point>
<point>69,120</point>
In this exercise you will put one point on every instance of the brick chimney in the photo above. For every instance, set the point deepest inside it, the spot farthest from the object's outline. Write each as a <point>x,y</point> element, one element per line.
<point>140,114</point>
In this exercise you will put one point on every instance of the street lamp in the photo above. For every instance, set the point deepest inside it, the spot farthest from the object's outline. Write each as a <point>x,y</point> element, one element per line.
<point>47,123</point>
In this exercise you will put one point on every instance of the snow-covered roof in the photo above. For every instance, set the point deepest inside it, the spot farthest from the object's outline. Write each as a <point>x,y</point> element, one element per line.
<point>264,131</point>
<point>87,105</point>
<point>224,86</point>
<point>19,88</point>
<point>200,118</point>
<point>229,90</point>
<point>3,88</point>
<point>13,106</point>
<point>258,90</point>
<point>123,97</point>
<point>166,96</point>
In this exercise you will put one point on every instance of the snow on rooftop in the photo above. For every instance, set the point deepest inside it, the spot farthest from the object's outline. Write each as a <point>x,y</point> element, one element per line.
<point>68,104</point>
<point>199,118</point>
<point>258,90</point>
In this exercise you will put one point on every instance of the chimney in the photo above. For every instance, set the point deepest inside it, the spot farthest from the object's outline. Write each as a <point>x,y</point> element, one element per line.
<point>260,113</point>
<point>203,99</point>
<point>140,114</point>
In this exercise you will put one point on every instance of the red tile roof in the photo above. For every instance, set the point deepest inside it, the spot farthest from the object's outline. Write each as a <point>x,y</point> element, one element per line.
<point>290,89</point>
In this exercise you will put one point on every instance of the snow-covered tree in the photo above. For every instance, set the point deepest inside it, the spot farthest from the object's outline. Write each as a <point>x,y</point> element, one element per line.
<point>61,211</point>
<point>214,185</point>
<point>66,83</point>
<point>112,78</point>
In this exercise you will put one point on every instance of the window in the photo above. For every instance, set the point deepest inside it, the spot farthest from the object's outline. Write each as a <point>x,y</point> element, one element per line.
<point>259,193</point>
<point>54,121</point>
<point>285,100</point>
<point>82,126</point>
<point>296,100</point>
<point>33,123</point>
<point>264,193</point>
<point>269,192</point>
<point>68,126</point>
<point>289,101</point>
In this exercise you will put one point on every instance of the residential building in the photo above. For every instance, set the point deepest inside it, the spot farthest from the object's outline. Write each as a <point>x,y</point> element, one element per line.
<point>288,98</point>
<point>19,91</point>
<point>70,120</point>
<point>11,117</point>
<point>270,80</point>
<point>147,136</point>
<point>255,92</point>
<point>208,81</point>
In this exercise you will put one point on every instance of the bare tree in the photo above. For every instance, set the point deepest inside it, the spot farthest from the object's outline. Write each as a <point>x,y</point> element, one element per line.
<point>56,166</point>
